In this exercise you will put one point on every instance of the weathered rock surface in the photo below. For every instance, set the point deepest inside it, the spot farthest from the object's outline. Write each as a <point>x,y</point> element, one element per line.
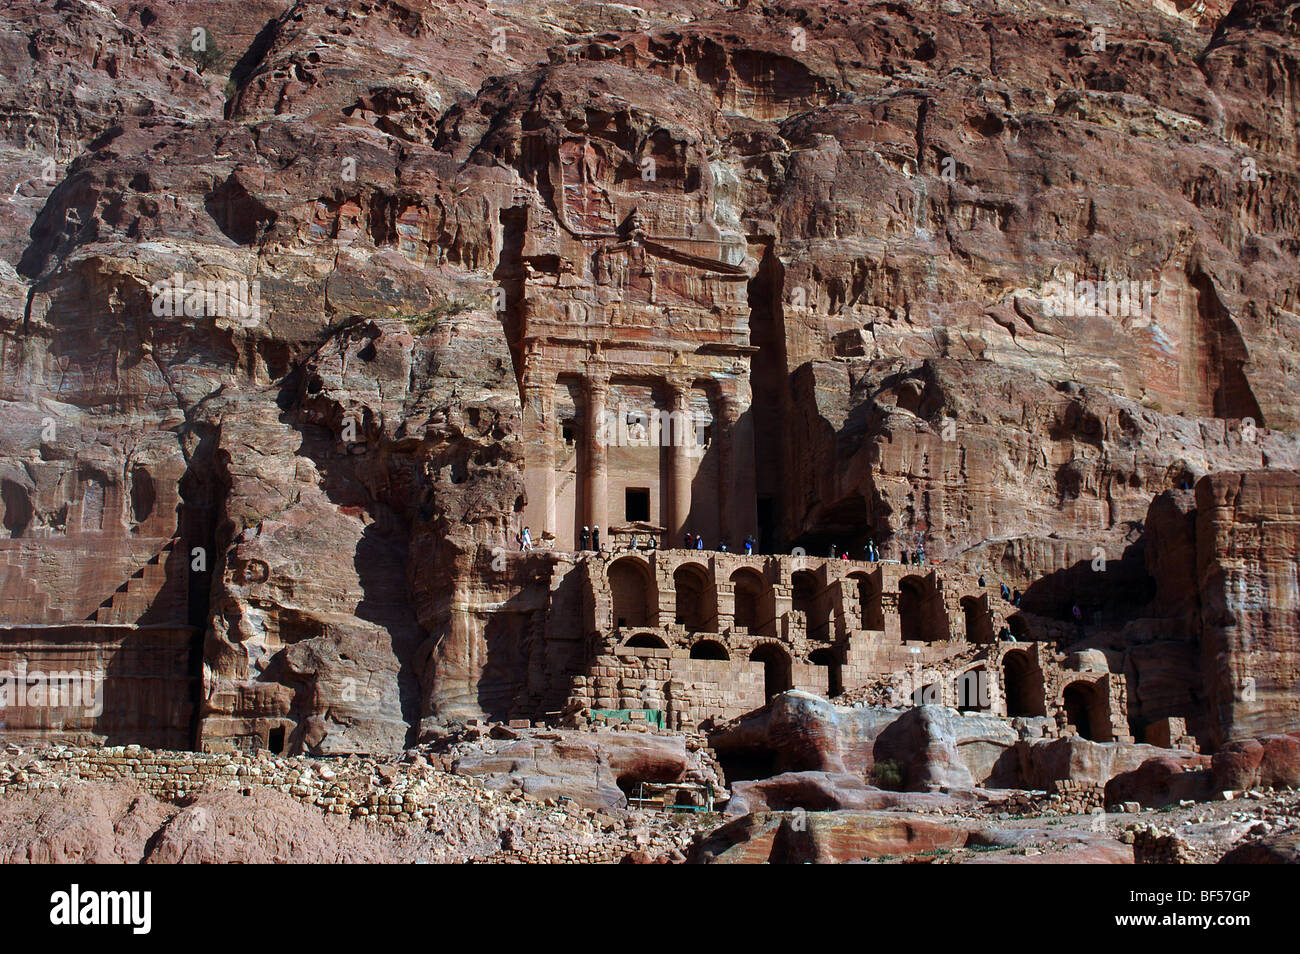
<point>596,770</point>
<point>826,791</point>
<point>1162,781</point>
<point>836,837</point>
<point>1280,848</point>
<point>313,499</point>
<point>1269,762</point>
<point>806,747</point>
<point>1073,759</point>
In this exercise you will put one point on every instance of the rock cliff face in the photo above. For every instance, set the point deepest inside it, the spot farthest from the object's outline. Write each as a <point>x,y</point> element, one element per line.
<point>1013,271</point>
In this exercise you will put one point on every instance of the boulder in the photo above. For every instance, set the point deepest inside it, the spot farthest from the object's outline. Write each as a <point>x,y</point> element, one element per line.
<point>1269,762</point>
<point>1161,781</point>
<point>1278,848</point>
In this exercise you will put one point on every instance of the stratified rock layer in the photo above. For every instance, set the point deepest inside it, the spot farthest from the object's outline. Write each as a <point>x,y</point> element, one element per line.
<point>287,523</point>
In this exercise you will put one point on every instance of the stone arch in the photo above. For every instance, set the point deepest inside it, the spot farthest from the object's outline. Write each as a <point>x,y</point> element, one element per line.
<point>973,690</point>
<point>827,658</point>
<point>646,641</point>
<point>750,590</point>
<point>1086,710</point>
<point>979,626</point>
<point>776,668</point>
<point>804,589</point>
<point>873,613</point>
<point>632,592</point>
<point>709,649</point>
<point>697,608</point>
<point>1022,685</point>
<point>921,615</point>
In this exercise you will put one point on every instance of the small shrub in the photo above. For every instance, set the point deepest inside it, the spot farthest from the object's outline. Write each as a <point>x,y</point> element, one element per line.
<point>205,59</point>
<point>887,774</point>
<point>424,322</point>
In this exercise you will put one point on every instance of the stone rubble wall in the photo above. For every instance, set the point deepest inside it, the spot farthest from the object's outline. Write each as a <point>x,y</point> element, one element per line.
<point>407,792</point>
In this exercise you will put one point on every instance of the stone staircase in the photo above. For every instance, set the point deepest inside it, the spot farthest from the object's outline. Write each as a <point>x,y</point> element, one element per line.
<point>154,586</point>
<point>21,600</point>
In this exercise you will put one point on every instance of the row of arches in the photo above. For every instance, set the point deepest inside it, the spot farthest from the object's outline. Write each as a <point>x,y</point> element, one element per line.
<point>777,663</point>
<point>1084,702</point>
<point>922,614</point>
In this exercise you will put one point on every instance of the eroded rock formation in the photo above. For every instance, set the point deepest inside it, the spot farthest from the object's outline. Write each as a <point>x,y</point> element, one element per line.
<point>309,309</point>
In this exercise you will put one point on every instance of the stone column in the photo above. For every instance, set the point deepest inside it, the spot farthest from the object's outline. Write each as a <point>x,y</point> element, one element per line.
<point>539,420</point>
<point>682,445</point>
<point>597,469</point>
<point>724,431</point>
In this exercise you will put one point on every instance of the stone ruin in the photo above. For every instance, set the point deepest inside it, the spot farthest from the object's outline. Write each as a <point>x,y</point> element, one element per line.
<point>668,280</point>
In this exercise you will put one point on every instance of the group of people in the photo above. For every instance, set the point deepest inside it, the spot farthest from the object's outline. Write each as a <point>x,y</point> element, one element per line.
<point>696,542</point>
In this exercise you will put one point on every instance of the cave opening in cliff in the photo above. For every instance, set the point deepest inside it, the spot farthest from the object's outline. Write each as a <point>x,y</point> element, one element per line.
<point>509,276</point>
<point>1223,357</point>
<point>17,508</point>
<point>776,668</point>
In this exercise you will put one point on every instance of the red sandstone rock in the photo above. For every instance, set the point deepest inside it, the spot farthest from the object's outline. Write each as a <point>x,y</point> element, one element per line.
<point>1073,759</point>
<point>1162,781</point>
<point>1269,762</point>
<point>823,838</point>
<point>596,770</point>
<point>849,262</point>
<point>1279,848</point>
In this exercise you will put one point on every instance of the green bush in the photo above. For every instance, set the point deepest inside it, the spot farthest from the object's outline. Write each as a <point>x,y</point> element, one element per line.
<point>205,59</point>
<point>887,774</point>
<point>424,322</point>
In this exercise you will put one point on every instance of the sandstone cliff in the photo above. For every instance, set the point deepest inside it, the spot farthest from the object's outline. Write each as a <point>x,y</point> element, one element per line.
<point>299,510</point>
